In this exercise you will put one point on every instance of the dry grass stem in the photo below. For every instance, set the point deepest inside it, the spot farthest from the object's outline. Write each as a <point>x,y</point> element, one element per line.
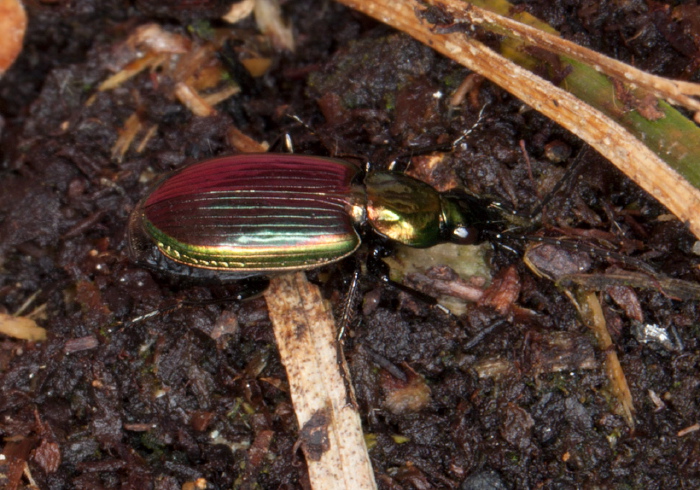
<point>675,91</point>
<point>591,312</point>
<point>608,137</point>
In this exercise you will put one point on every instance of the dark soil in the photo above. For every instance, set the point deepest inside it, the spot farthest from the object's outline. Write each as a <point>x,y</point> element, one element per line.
<point>170,400</point>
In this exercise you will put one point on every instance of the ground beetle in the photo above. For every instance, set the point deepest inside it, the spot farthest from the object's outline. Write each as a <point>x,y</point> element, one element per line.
<point>258,214</point>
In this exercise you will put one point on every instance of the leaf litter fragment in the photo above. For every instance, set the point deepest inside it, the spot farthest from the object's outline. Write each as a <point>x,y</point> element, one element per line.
<point>21,327</point>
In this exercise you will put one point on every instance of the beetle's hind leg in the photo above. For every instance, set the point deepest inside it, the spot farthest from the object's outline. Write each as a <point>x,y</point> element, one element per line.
<point>249,288</point>
<point>381,271</point>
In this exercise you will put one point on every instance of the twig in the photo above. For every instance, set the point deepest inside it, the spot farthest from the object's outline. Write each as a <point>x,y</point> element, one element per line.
<point>330,433</point>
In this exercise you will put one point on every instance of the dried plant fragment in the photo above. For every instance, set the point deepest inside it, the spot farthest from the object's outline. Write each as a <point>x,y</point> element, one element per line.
<point>689,430</point>
<point>503,292</point>
<point>146,138</point>
<point>268,15</point>
<point>257,67</point>
<point>21,327</point>
<point>220,96</point>
<point>188,70</point>
<point>80,344</point>
<point>433,170</point>
<point>554,263</point>
<point>48,456</point>
<point>470,85</point>
<point>626,298</point>
<point>405,396</point>
<point>152,37</point>
<point>677,289</point>
<point>126,136</point>
<point>13,24</point>
<point>449,272</point>
<point>239,11</point>
<point>592,314</point>
<point>192,100</point>
<point>331,434</point>
<point>244,143</point>
<point>150,60</point>
<point>554,352</point>
<point>494,368</point>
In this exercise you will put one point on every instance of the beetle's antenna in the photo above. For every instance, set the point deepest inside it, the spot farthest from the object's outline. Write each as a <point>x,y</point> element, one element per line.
<point>568,176</point>
<point>479,120</point>
<point>576,246</point>
<point>536,211</point>
<point>286,140</point>
<point>447,147</point>
<point>150,314</point>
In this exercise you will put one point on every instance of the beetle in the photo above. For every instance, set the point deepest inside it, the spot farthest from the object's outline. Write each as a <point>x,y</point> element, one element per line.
<point>246,215</point>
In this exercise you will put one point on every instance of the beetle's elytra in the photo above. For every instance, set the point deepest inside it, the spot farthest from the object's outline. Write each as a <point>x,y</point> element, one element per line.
<point>263,213</point>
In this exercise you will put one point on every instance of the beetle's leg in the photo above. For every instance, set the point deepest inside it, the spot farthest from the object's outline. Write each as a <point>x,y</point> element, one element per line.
<point>347,315</point>
<point>250,287</point>
<point>479,121</point>
<point>381,270</point>
<point>479,337</point>
<point>566,180</point>
<point>385,363</point>
<point>282,144</point>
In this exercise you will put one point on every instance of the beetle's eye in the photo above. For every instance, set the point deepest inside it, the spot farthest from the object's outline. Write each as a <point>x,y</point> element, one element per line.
<point>464,235</point>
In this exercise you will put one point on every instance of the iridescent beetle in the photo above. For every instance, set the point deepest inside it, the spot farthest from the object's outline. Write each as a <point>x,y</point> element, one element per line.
<point>257,214</point>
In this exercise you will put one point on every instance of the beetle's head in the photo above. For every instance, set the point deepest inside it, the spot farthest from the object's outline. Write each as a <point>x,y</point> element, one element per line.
<point>465,217</point>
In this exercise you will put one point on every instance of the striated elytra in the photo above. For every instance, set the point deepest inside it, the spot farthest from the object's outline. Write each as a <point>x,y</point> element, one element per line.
<point>254,214</point>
